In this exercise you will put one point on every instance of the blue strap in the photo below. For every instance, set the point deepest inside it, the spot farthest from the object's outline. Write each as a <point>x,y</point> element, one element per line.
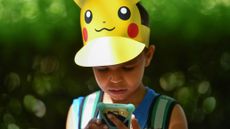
<point>85,108</point>
<point>76,109</point>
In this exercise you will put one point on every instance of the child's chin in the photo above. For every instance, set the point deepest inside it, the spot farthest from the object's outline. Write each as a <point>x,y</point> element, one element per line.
<point>119,99</point>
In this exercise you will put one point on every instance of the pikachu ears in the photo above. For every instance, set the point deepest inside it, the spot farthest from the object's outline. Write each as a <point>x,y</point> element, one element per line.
<point>81,2</point>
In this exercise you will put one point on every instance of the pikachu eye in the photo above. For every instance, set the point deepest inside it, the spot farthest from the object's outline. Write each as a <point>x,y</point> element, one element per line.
<point>124,13</point>
<point>88,16</point>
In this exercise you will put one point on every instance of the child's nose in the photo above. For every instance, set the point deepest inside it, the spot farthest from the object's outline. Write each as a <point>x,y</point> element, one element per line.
<point>115,77</point>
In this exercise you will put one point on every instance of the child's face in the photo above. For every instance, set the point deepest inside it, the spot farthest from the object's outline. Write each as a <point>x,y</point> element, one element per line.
<point>122,81</point>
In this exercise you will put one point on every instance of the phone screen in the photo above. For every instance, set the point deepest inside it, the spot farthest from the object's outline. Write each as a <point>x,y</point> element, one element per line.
<point>119,114</point>
<point>121,111</point>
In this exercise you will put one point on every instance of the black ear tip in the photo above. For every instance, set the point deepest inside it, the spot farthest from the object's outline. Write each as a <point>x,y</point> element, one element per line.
<point>144,14</point>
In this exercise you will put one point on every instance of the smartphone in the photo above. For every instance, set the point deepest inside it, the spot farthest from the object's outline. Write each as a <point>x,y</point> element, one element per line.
<point>122,111</point>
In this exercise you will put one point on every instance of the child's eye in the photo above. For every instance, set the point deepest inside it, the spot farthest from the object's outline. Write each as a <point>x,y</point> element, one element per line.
<point>128,68</point>
<point>102,69</point>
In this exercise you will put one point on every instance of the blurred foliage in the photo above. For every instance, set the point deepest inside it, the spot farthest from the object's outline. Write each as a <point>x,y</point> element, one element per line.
<point>38,77</point>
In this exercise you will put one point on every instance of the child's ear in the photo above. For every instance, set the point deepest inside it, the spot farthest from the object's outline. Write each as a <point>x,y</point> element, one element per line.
<point>149,55</point>
<point>79,2</point>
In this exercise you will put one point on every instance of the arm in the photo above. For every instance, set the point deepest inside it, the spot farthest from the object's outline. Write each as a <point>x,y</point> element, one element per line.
<point>178,118</point>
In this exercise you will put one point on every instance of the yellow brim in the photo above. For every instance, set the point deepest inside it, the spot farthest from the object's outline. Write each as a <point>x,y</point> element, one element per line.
<point>108,51</point>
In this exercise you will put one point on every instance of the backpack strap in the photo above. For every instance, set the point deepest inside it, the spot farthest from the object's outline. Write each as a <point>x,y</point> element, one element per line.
<point>88,108</point>
<point>76,111</point>
<point>161,111</point>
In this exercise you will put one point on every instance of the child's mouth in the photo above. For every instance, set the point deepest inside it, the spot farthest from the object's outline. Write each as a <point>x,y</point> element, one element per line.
<point>117,91</point>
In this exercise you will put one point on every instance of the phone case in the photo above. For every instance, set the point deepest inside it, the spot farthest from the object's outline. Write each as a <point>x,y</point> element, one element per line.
<point>122,111</point>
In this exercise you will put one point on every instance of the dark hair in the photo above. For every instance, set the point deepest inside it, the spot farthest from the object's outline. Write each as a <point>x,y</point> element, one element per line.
<point>144,14</point>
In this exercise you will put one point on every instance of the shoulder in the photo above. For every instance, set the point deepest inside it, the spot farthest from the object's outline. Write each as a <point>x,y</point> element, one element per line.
<point>177,118</point>
<point>70,119</point>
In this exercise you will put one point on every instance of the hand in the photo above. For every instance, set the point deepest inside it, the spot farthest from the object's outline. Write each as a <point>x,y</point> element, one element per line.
<point>120,125</point>
<point>96,124</point>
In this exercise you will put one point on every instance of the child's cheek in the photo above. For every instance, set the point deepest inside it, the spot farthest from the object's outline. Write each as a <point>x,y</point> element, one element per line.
<point>133,30</point>
<point>85,34</point>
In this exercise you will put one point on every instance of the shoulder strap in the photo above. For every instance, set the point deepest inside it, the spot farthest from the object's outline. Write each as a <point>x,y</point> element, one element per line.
<point>161,112</point>
<point>76,105</point>
<point>88,108</point>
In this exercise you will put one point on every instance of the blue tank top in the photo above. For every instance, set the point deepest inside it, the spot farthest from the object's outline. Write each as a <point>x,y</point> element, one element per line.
<point>143,110</point>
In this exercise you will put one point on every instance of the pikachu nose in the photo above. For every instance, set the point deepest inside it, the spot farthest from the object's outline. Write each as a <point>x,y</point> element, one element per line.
<point>103,21</point>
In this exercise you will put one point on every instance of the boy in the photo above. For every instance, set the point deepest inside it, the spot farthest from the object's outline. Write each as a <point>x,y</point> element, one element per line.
<point>116,45</point>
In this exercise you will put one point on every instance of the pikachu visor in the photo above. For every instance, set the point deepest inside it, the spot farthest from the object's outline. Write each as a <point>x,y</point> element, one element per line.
<point>112,32</point>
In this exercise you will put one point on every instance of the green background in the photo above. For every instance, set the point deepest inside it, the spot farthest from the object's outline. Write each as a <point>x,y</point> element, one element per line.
<point>39,79</point>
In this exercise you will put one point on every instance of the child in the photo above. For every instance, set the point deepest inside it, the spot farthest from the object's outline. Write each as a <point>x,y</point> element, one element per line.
<point>116,46</point>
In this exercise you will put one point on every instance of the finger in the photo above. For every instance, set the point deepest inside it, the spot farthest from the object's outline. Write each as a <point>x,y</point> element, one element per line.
<point>105,127</point>
<point>117,122</point>
<point>94,124</point>
<point>134,123</point>
<point>90,124</point>
<point>100,124</point>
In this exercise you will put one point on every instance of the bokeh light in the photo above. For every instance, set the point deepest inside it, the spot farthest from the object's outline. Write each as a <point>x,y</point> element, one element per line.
<point>225,61</point>
<point>30,10</point>
<point>170,81</point>
<point>12,126</point>
<point>12,81</point>
<point>57,8</point>
<point>184,95</point>
<point>8,118</point>
<point>203,87</point>
<point>35,106</point>
<point>209,104</point>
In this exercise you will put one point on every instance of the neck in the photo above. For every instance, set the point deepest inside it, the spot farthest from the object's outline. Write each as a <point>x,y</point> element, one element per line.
<point>138,96</point>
